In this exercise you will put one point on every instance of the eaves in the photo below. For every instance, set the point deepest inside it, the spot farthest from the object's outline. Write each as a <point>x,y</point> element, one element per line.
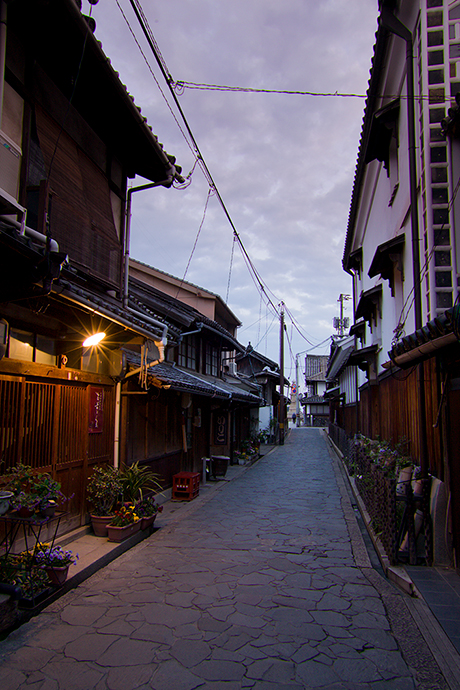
<point>373,97</point>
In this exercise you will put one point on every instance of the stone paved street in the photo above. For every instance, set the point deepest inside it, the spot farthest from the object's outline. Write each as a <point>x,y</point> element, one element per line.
<point>261,586</point>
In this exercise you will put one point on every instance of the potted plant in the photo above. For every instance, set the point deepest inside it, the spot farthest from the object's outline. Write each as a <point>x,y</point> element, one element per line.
<point>125,523</point>
<point>28,580</point>
<point>56,561</point>
<point>32,491</point>
<point>20,480</point>
<point>147,509</point>
<point>135,479</point>
<point>49,494</point>
<point>103,491</point>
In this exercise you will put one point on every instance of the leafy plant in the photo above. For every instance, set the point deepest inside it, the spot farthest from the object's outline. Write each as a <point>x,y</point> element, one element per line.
<point>104,489</point>
<point>135,479</point>
<point>32,489</point>
<point>31,580</point>
<point>148,507</point>
<point>47,490</point>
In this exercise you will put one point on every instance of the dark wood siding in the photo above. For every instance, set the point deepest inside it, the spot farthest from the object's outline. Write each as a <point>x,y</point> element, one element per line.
<point>388,410</point>
<point>81,216</point>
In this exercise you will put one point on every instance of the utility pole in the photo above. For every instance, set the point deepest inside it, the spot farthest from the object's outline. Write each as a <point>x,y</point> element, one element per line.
<point>297,402</point>
<point>341,323</point>
<point>281,404</point>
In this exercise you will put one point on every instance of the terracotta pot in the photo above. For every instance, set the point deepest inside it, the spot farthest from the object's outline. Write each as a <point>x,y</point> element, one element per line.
<point>57,575</point>
<point>147,522</point>
<point>121,533</point>
<point>99,523</point>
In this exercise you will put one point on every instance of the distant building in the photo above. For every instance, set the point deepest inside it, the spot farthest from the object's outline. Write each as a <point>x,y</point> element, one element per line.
<point>316,407</point>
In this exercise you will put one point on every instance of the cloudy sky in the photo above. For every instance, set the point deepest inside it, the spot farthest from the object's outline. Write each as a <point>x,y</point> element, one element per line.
<point>283,164</point>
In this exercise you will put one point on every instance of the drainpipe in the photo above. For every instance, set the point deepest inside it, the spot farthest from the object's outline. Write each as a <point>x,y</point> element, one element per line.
<point>117,425</point>
<point>33,234</point>
<point>153,321</point>
<point>164,183</point>
<point>388,21</point>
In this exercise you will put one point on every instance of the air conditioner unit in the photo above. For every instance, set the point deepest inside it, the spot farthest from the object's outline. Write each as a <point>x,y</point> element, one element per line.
<point>10,165</point>
<point>232,369</point>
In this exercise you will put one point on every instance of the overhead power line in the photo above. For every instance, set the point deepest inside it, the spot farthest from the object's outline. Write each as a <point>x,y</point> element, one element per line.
<point>137,8</point>
<point>180,86</point>
<point>192,144</point>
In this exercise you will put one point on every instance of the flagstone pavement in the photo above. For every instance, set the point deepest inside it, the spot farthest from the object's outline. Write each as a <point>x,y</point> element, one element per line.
<point>264,585</point>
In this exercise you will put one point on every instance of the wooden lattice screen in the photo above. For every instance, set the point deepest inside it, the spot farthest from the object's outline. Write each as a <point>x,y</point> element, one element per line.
<point>45,425</point>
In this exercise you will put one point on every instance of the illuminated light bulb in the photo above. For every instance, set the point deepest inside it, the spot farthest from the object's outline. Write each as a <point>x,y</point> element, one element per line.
<point>94,340</point>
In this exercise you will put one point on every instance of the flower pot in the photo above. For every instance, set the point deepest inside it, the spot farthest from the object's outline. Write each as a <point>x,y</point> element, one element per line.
<point>147,522</point>
<point>403,480</point>
<point>99,523</point>
<point>121,533</point>
<point>57,575</point>
<point>5,501</point>
<point>48,511</point>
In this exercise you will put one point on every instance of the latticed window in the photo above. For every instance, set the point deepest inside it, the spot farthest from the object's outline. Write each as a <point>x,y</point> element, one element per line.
<point>187,353</point>
<point>212,360</point>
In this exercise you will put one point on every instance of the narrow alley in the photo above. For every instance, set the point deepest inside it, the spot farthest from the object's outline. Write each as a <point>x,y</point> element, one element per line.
<point>267,584</point>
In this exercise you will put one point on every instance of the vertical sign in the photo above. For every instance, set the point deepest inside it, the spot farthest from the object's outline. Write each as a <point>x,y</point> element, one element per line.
<point>96,410</point>
<point>220,428</point>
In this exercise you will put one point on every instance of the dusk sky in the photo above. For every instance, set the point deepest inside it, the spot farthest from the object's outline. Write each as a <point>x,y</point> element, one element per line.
<point>283,163</point>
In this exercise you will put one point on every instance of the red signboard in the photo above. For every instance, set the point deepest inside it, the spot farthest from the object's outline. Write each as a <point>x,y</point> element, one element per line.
<point>96,410</point>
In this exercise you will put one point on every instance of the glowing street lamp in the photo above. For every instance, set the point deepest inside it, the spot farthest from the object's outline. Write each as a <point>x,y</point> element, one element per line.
<point>94,340</point>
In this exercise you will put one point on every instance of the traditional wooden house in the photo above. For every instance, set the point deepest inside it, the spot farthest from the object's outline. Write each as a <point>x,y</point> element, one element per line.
<point>255,367</point>
<point>316,406</point>
<point>70,138</point>
<point>187,408</point>
<point>401,249</point>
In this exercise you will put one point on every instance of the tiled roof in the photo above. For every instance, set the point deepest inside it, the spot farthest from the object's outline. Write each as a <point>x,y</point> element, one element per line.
<point>437,333</point>
<point>339,362</point>
<point>181,380</point>
<point>112,309</point>
<point>315,400</point>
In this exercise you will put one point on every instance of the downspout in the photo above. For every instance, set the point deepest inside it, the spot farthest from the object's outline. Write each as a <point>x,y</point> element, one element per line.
<point>198,330</point>
<point>153,321</point>
<point>33,234</point>
<point>388,21</point>
<point>164,183</point>
<point>117,425</point>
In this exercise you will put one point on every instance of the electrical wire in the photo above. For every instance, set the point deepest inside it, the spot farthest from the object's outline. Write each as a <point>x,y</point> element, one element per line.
<point>263,288</point>
<point>297,327</point>
<point>210,192</point>
<point>149,67</point>
<point>137,8</point>
<point>180,86</point>
<point>230,270</point>
<point>267,331</point>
